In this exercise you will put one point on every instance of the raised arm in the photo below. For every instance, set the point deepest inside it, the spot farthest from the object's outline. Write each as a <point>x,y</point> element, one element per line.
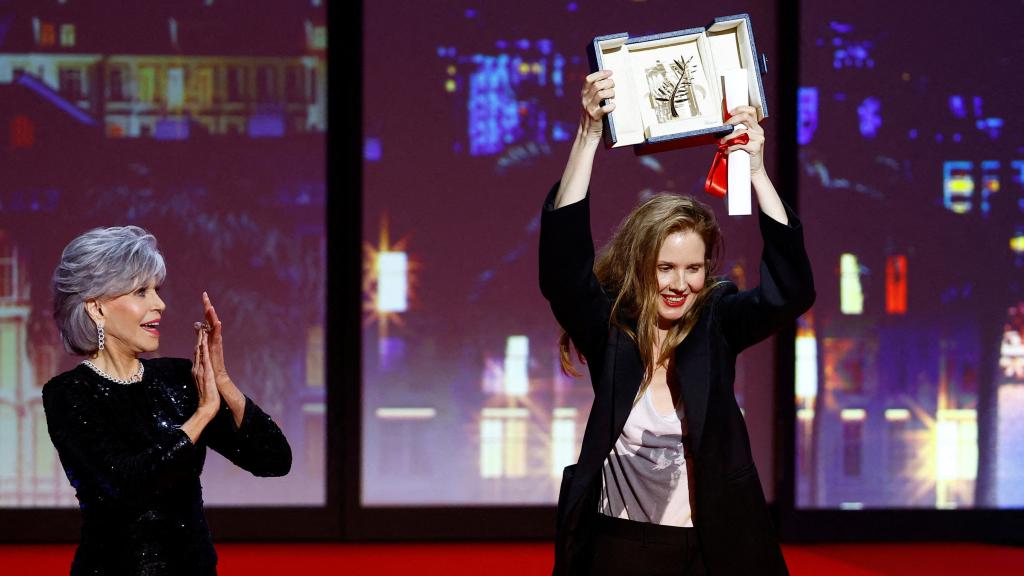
<point>566,247</point>
<point>786,287</point>
<point>597,88</point>
<point>256,445</point>
<point>241,432</point>
<point>744,118</point>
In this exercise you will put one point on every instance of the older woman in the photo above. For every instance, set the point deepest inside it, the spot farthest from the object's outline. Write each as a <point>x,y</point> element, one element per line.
<point>132,433</point>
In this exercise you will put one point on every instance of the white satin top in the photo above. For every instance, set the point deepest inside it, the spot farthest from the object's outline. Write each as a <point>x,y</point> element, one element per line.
<point>645,475</point>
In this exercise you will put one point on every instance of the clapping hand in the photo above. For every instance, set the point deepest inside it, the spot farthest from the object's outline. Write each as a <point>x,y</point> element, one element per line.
<point>203,374</point>
<point>216,340</point>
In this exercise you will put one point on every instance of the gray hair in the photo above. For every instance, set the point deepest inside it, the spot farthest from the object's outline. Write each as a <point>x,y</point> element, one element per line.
<point>103,262</point>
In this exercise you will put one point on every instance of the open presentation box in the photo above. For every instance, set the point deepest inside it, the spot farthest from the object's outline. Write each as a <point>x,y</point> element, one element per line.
<point>668,87</point>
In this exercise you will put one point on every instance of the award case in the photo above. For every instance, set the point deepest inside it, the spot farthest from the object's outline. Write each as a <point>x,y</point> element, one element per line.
<point>668,87</point>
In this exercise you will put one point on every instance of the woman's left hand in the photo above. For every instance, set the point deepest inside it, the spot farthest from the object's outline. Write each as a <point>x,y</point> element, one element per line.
<point>227,389</point>
<point>744,118</point>
<point>216,342</point>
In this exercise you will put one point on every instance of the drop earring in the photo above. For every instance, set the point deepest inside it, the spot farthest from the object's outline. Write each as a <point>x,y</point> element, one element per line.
<point>100,337</point>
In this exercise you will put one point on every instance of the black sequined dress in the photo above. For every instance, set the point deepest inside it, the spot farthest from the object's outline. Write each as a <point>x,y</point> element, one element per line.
<point>136,473</point>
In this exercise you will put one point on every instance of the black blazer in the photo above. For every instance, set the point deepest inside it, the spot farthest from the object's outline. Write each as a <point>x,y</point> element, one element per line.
<point>730,514</point>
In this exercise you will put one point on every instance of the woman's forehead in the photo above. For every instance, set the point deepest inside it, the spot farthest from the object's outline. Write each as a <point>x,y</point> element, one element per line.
<point>679,246</point>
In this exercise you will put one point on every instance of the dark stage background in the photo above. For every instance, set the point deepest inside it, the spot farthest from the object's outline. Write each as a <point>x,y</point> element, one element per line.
<point>205,121</point>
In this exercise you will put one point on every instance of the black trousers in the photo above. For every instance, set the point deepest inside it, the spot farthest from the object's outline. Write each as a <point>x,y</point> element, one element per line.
<point>625,547</point>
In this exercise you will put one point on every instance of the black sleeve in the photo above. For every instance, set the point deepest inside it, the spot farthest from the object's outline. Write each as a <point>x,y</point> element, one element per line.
<point>567,274</point>
<point>94,456</point>
<point>786,289</point>
<point>258,445</point>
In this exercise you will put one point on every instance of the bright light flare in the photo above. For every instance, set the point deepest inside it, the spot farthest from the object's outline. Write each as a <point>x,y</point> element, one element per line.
<point>389,280</point>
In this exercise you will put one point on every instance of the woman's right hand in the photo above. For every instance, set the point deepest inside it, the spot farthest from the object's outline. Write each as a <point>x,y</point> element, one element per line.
<point>576,177</point>
<point>204,376</point>
<point>206,386</point>
<point>597,87</point>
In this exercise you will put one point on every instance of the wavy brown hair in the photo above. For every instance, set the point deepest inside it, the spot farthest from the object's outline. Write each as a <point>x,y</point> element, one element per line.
<point>626,269</point>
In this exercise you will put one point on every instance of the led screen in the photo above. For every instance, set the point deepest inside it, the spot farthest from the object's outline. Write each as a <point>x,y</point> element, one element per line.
<point>910,367</point>
<point>204,123</point>
<point>469,112</point>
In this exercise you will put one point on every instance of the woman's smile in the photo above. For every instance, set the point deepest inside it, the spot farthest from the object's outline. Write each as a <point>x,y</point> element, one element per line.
<point>153,327</point>
<point>674,300</point>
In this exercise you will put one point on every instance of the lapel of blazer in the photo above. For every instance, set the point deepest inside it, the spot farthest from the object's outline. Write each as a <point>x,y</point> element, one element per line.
<point>693,374</point>
<point>626,378</point>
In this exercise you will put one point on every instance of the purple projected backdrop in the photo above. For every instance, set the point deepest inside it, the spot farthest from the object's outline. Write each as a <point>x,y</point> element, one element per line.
<point>910,367</point>
<point>469,111</point>
<point>203,122</point>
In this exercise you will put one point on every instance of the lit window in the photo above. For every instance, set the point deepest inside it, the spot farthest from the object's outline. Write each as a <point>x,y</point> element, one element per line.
<point>10,375</point>
<point>43,451</point>
<point>320,38</point>
<point>503,433</point>
<point>851,295</point>
<point>563,439</point>
<point>23,132</point>
<point>47,34</point>
<point>67,35</point>
<point>806,360</point>
<point>490,448</point>
<point>8,431</point>
<point>204,86</point>
<point>896,285</point>
<point>515,448</point>
<point>175,87</point>
<point>517,356</point>
<point>956,445</point>
<point>147,84</point>
<point>315,356</point>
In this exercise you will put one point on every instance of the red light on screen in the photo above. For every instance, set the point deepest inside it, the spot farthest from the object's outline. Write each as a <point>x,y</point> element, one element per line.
<point>115,130</point>
<point>23,132</point>
<point>896,284</point>
<point>47,34</point>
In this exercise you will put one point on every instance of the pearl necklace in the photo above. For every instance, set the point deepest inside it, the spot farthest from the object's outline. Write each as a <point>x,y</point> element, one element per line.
<point>137,377</point>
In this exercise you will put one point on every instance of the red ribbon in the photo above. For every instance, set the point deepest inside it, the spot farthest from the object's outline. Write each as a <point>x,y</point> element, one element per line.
<point>717,182</point>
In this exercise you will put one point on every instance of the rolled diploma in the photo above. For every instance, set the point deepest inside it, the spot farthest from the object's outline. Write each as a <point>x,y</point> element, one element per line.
<point>734,83</point>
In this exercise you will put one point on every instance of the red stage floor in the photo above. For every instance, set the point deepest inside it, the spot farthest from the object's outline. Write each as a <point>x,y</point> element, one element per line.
<point>525,559</point>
